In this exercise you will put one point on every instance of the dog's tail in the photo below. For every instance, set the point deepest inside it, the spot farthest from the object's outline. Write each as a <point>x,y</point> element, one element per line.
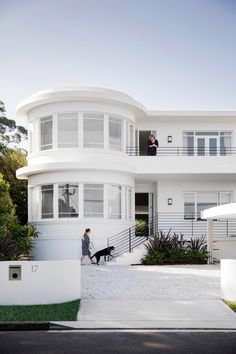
<point>92,256</point>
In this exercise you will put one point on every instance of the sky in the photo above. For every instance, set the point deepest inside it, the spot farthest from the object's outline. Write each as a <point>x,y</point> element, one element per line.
<point>167,54</point>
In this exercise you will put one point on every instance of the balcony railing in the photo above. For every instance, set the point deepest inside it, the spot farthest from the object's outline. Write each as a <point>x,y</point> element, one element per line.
<point>182,151</point>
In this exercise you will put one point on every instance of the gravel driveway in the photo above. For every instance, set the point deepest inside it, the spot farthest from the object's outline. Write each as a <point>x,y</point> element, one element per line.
<point>150,282</point>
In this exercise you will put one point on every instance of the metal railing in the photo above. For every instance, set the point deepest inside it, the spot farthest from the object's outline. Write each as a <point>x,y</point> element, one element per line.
<point>179,223</point>
<point>182,151</point>
<point>127,240</point>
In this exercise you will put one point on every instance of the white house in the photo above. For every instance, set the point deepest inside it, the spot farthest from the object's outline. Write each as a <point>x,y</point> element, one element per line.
<point>88,167</point>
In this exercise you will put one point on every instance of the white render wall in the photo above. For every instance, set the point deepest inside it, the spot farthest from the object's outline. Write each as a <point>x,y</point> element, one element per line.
<point>41,282</point>
<point>175,188</point>
<point>176,125</point>
<point>166,176</point>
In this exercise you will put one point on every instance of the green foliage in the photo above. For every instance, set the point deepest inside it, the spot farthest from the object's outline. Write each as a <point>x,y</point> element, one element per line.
<point>15,239</point>
<point>140,226</point>
<point>10,133</point>
<point>173,249</point>
<point>10,161</point>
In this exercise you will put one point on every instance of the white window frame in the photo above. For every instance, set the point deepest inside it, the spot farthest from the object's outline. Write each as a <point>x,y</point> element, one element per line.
<point>50,118</point>
<point>207,134</point>
<point>99,216</point>
<point>218,193</point>
<point>121,120</point>
<point>74,116</point>
<point>100,117</point>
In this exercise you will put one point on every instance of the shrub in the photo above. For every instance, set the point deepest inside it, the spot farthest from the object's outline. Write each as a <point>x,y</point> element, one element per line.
<point>159,242</point>
<point>141,227</point>
<point>15,239</point>
<point>174,249</point>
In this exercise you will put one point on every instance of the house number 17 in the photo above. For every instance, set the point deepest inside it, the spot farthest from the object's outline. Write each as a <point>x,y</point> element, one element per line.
<point>34,268</point>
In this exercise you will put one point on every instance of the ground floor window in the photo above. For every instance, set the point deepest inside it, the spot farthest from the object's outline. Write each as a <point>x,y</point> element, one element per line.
<point>68,200</point>
<point>47,201</point>
<point>196,202</point>
<point>114,202</point>
<point>81,200</point>
<point>93,200</point>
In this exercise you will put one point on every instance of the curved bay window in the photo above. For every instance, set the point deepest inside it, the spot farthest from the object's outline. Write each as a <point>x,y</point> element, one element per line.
<point>84,130</point>
<point>61,201</point>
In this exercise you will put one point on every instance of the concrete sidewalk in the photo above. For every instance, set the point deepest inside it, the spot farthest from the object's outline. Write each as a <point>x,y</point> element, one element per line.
<point>155,314</point>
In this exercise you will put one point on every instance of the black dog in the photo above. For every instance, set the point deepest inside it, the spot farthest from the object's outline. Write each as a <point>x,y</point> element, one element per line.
<point>105,252</point>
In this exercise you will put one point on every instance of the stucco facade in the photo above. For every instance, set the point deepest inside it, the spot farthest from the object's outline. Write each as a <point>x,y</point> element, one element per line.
<point>87,160</point>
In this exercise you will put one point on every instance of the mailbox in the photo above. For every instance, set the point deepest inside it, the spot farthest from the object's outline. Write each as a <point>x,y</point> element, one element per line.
<point>14,272</point>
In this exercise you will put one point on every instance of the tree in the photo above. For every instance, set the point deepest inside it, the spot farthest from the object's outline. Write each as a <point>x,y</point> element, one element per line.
<point>10,161</point>
<point>10,133</point>
<point>15,240</point>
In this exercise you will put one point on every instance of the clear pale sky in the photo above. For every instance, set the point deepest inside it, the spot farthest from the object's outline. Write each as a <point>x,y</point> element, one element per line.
<point>167,54</point>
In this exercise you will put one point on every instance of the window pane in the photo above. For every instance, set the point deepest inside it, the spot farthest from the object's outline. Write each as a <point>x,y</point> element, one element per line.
<point>225,197</point>
<point>206,200</point>
<point>115,133</point>
<point>67,130</point>
<point>46,133</point>
<point>201,146</point>
<point>68,200</point>
<point>93,200</point>
<point>213,146</point>
<point>47,201</point>
<point>93,131</point>
<point>225,144</point>
<point>30,137</point>
<point>189,205</point>
<point>131,129</point>
<point>129,202</point>
<point>114,202</point>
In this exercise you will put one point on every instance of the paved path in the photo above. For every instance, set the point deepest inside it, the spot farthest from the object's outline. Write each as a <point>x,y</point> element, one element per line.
<point>152,297</point>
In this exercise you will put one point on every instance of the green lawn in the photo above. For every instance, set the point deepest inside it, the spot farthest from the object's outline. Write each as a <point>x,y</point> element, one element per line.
<point>231,304</point>
<point>66,311</point>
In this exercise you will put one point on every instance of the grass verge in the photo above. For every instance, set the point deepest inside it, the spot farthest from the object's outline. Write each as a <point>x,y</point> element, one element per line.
<point>66,311</point>
<point>231,304</point>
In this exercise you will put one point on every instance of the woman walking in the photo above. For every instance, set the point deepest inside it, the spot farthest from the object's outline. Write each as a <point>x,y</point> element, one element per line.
<point>86,243</point>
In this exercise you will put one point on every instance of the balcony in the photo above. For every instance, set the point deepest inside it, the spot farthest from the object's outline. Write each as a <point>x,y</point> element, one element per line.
<point>184,161</point>
<point>183,151</point>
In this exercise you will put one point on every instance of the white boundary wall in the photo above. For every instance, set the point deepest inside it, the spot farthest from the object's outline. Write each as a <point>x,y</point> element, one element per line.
<point>228,279</point>
<point>42,282</point>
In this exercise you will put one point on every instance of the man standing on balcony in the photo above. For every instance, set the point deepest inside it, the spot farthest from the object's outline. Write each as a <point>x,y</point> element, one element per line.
<point>152,146</point>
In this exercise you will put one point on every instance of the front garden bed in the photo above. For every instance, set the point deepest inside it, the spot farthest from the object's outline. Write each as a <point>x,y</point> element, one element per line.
<point>174,249</point>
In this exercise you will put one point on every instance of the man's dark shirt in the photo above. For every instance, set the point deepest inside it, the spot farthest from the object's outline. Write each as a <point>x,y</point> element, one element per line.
<point>152,150</point>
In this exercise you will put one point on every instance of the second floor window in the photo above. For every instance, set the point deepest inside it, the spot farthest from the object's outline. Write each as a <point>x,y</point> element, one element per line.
<point>46,133</point>
<point>93,130</point>
<point>115,133</point>
<point>207,143</point>
<point>67,130</point>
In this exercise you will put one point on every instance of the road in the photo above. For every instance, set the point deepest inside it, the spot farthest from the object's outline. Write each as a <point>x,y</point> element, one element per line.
<point>116,342</point>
